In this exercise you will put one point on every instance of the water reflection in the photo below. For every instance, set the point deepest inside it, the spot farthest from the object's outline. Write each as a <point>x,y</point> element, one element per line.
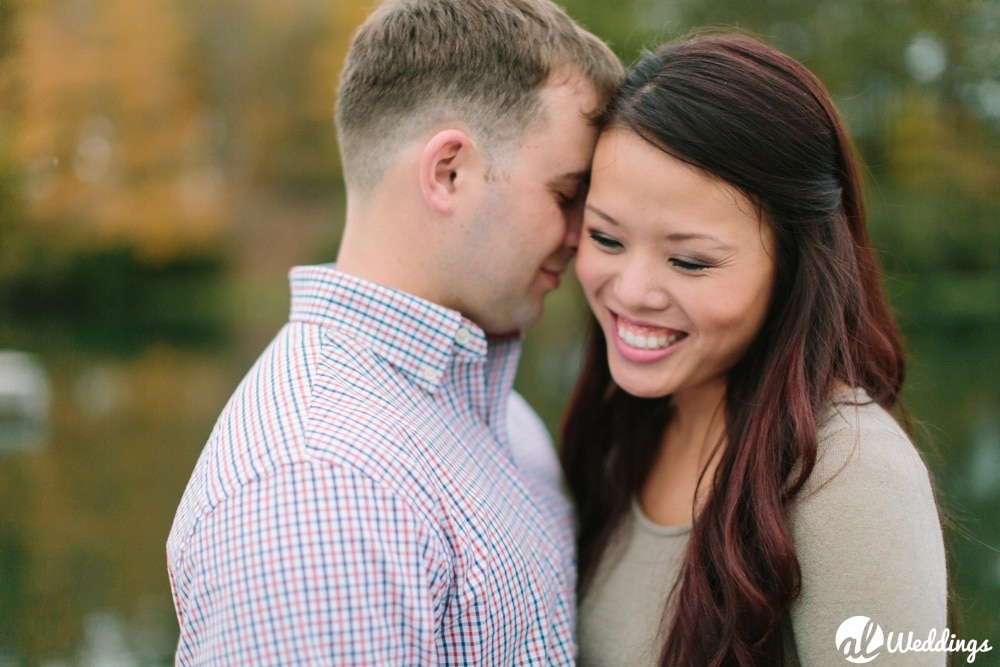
<point>84,519</point>
<point>84,512</point>
<point>106,642</point>
<point>100,389</point>
<point>24,401</point>
<point>984,469</point>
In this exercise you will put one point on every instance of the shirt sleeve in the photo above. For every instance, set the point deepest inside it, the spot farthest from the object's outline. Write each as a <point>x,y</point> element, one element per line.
<point>535,456</point>
<point>531,444</point>
<point>313,564</point>
<point>869,543</point>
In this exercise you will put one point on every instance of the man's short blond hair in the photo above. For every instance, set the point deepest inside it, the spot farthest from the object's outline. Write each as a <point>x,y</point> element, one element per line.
<point>414,64</point>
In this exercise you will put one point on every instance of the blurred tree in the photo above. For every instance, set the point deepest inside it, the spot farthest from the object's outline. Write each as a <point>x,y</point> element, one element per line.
<point>113,141</point>
<point>9,201</point>
<point>6,28</point>
<point>159,131</point>
<point>163,124</point>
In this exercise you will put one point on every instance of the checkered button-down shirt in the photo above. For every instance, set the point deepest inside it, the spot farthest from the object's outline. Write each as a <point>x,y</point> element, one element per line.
<point>375,494</point>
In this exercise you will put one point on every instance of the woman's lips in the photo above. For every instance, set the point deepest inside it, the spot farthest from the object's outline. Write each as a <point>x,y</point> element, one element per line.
<point>643,343</point>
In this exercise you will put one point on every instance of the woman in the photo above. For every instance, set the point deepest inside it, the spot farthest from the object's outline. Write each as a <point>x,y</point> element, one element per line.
<point>743,490</point>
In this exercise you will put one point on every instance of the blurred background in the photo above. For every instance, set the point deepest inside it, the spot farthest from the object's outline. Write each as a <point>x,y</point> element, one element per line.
<point>164,163</point>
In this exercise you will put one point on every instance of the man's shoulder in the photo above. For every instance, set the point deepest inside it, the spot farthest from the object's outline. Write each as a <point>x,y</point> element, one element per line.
<point>363,415</point>
<point>337,438</point>
<point>312,395</point>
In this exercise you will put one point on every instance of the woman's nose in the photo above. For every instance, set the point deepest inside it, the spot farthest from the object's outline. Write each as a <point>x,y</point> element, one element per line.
<point>639,287</point>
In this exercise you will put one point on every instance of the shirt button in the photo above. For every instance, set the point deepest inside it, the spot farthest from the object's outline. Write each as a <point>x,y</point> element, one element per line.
<point>429,374</point>
<point>462,336</point>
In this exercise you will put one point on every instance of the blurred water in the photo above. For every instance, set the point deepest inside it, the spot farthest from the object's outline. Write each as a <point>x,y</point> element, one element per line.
<point>86,508</point>
<point>24,401</point>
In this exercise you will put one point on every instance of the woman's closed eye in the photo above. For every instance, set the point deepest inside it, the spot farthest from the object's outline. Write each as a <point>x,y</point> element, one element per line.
<point>604,241</point>
<point>689,265</point>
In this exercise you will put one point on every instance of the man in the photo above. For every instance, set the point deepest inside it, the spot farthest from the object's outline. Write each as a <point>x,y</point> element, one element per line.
<point>365,498</point>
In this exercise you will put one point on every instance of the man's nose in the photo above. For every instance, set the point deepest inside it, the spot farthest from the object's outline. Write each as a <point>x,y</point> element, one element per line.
<point>574,230</point>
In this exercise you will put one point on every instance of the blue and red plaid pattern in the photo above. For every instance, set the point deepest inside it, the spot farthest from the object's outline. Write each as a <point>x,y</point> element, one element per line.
<point>366,499</point>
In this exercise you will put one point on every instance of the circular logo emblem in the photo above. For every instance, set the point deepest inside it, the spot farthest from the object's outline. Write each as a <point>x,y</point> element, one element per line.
<point>860,639</point>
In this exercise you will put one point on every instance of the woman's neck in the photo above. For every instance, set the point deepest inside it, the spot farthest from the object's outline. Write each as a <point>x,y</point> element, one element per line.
<point>692,444</point>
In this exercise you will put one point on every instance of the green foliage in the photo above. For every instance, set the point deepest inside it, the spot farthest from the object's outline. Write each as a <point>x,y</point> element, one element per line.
<point>111,300</point>
<point>7,35</point>
<point>11,221</point>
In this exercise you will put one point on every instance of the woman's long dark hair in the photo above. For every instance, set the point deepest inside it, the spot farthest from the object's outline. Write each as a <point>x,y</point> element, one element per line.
<point>762,122</point>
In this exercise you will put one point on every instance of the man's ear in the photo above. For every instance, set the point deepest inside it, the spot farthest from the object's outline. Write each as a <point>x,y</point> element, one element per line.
<point>447,161</point>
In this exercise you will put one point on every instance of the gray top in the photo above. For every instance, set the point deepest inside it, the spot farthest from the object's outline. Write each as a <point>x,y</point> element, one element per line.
<point>868,539</point>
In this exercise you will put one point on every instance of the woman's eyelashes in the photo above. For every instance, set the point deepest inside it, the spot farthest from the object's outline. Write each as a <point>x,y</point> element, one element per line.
<point>686,264</point>
<point>689,265</point>
<point>604,241</point>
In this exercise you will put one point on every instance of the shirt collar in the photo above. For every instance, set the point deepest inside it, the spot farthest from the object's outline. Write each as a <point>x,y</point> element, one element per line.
<point>417,336</point>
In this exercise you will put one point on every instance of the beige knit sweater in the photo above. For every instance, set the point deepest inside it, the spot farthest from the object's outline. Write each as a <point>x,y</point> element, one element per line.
<point>868,539</point>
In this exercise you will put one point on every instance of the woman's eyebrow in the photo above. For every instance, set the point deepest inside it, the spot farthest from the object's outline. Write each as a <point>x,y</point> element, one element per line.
<point>676,237</point>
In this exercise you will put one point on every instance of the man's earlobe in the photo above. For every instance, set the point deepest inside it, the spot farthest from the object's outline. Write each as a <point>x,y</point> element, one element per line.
<point>444,156</point>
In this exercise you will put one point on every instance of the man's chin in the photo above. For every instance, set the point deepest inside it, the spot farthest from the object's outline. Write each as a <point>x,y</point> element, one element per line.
<point>514,327</point>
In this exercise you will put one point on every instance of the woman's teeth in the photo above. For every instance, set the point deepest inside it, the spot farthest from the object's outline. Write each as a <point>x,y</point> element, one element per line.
<point>647,339</point>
